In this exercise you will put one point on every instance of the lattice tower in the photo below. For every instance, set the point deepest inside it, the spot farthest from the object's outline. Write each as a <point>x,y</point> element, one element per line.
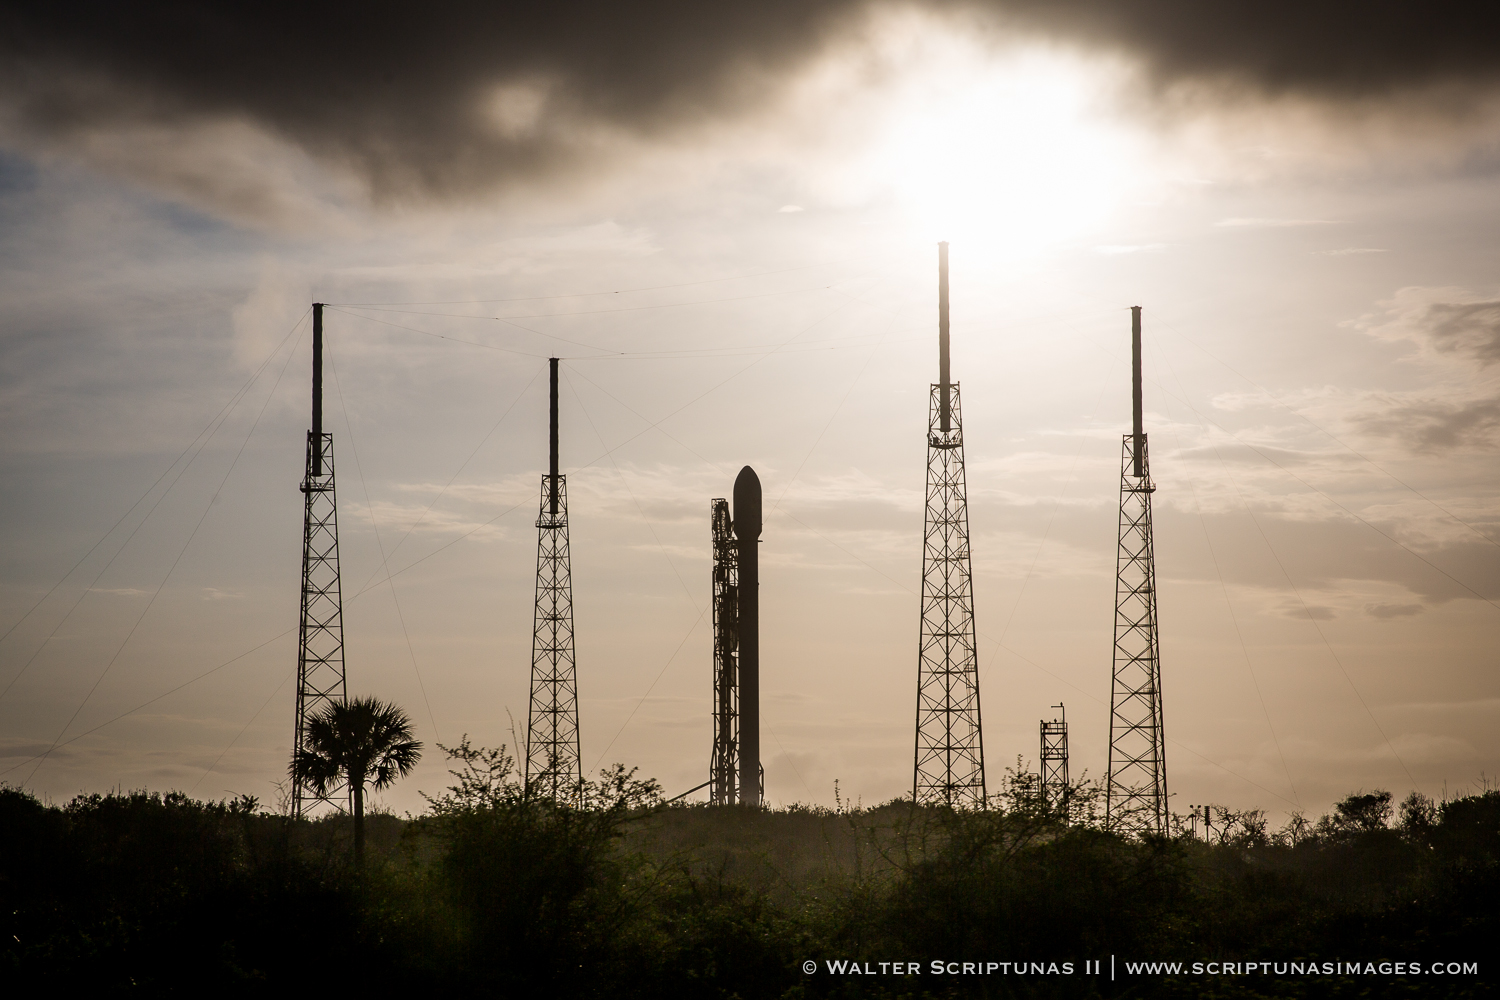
<point>1137,784</point>
<point>949,766</point>
<point>553,758</point>
<point>1054,760</point>
<point>320,643</point>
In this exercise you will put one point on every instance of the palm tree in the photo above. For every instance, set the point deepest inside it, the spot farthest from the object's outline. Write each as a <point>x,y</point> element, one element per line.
<point>364,740</point>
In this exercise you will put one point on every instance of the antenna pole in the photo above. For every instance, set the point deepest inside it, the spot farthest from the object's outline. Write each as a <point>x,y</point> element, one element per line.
<point>317,390</point>
<point>1135,388</point>
<point>943,379</point>
<point>553,473</point>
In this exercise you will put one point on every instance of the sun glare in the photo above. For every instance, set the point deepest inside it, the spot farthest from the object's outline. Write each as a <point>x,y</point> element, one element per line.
<point>1012,156</point>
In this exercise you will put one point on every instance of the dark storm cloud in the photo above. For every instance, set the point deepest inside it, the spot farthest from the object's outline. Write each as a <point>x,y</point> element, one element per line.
<point>406,95</point>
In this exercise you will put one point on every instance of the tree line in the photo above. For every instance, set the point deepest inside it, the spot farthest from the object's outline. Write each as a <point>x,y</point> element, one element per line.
<point>498,890</point>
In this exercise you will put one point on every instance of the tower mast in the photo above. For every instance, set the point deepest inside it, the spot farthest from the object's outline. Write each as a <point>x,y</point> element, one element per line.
<point>949,766</point>
<point>320,643</point>
<point>553,760</point>
<point>1136,800</point>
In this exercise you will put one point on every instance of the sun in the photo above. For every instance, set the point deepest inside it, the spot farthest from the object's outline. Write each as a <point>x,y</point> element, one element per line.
<point>1012,154</point>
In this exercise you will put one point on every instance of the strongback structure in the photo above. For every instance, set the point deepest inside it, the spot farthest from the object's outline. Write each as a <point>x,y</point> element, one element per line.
<point>1137,784</point>
<point>553,761</point>
<point>725,762</point>
<point>1054,759</point>
<point>747,528</point>
<point>320,644</point>
<point>949,766</point>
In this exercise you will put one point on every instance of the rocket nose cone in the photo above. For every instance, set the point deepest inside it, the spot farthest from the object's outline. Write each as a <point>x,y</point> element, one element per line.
<point>747,513</point>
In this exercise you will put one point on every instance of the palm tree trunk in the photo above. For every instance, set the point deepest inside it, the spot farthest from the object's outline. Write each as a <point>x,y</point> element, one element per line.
<point>358,785</point>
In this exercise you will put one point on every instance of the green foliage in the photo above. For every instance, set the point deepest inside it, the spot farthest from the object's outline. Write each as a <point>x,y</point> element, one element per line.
<point>498,890</point>
<point>539,891</point>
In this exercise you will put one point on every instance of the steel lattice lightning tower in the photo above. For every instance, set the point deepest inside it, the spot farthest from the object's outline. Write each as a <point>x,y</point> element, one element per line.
<point>1054,759</point>
<point>1137,785</point>
<point>320,645</point>
<point>950,748</point>
<point>725,763</point>
<point>553,760</point>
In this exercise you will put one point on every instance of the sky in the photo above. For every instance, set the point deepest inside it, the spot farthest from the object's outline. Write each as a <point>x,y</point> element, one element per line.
<point>723,219</point>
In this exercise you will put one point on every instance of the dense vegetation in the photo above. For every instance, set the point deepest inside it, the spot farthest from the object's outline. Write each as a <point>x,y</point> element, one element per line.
<point>496,892</point>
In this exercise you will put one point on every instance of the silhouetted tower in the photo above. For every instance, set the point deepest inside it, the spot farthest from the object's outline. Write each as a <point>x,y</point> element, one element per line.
<point>1137,784</point>
<point>1054,759</point>
<point>950,748</point>
<point>320,643</point>
<point>724,765</point>
<point>747,528</point>
<point>553,760</point>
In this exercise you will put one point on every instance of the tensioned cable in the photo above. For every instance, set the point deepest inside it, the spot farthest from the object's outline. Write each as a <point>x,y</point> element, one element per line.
<point>631,493</point>
<point>738,351</point>
<point>612,309</point>
<point>618,291</point>
<point>691,629</point>
<point>290,674</point>
<point>608,452</point>
<point>1047,532</point>
<point>1245,502</point>
<point>1308,611</point>
<point>1233,618</point>
<point>701,612</point>
<point>1092,697</point>
<point>149,604</point>
<point>211,430</point>
<point>439,336</point>
<point>385,560</point>
<point>151,701</point>
<point>662,430</point>
<point>172,465</point>
<point>1394,541</point>
<point>1325,496</point>
<point>280,635</point>
<point>1329,434</point>
<point>375,526</point>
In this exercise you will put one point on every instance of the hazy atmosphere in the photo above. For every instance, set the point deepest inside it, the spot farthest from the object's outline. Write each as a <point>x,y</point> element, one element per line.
<point>723,219</point>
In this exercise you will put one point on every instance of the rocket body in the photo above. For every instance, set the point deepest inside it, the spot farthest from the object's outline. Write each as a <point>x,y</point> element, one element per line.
<point>747,527</point>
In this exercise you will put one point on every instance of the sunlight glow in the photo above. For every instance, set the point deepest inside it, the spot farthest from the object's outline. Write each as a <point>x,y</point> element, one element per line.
<point>1011,155</point>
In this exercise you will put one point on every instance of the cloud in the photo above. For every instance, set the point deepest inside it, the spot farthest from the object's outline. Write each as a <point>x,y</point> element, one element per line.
<point>1446,320</point>
<point>1433,421</point>
<point>1302,612</point>
<point>1388,612</point>
<point>470,97</point>
<point>1452,328</point>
